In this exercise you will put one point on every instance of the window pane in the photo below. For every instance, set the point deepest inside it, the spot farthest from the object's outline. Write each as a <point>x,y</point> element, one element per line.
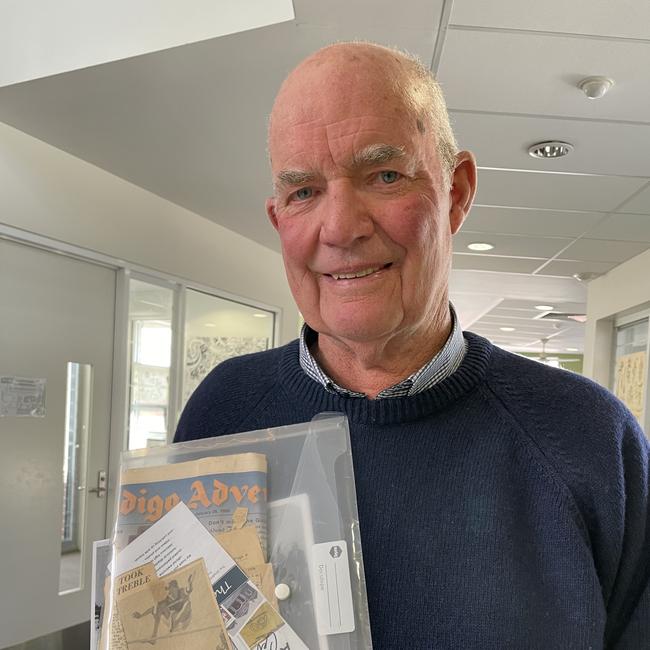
<point>150,344</point>
<point>631,366</point>
<point>217,329</point>
<point>77,423</point>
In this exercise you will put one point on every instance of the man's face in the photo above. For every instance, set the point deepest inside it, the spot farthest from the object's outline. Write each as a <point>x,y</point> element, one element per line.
<point>362,209</point>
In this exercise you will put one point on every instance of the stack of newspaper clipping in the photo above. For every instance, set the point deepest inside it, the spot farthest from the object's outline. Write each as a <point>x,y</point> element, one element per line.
<point>190,568</point>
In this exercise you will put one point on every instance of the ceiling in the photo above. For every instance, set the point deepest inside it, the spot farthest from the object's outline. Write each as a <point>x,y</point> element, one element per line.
<point>188,123</point>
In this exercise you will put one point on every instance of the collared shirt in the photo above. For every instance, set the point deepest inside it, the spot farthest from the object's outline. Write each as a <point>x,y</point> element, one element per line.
<point>443,364</point>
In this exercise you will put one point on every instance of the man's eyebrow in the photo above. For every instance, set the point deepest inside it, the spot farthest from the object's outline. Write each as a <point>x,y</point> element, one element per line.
<point>373,154</point>
<point>377,154</point>
<point>293,178</point>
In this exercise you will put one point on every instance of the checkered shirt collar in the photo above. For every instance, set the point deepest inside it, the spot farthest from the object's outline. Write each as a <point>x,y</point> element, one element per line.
<point>443,364</point>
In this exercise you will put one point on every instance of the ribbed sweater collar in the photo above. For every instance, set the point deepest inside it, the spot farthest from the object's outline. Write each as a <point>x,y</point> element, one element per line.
<point>471,372</point>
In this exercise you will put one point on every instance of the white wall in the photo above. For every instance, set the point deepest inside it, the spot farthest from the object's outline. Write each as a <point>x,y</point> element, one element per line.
<point>46,191</point>
<point>42,38</point>
<point>623,290</point>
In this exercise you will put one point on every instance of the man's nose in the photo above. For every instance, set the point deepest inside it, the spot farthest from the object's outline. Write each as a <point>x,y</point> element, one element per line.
<point>346,216</point>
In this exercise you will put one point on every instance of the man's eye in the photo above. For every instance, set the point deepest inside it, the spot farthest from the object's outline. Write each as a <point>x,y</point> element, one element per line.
<point>304,193</point>
<point>389,176</point>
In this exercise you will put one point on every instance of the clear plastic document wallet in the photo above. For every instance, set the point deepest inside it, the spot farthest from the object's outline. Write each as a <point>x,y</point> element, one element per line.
<point>247,541</point>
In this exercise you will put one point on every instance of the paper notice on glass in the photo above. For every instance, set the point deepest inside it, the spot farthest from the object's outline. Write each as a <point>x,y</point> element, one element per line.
<point>178,539</point>
<point>22,397</point>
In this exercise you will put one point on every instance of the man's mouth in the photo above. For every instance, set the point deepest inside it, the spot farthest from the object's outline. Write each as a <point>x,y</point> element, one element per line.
<point>352,275</point>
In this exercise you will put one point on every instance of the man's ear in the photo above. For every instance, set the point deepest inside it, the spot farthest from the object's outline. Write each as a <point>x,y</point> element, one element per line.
<point>270,211</point>
<point>462,190</point>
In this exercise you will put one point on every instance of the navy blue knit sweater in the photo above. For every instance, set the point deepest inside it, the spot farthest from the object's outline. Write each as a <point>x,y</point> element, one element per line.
<point>506,507</point>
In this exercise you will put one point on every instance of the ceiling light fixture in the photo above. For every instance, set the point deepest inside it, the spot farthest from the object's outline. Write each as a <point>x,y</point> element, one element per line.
<point>595,87</point>
<point>210,325</point>
<point>480,246</point>
<point>544,307</point>
<point>507,329</point>
<point>572,350</point>
<point>550,149</point>
<point>259,315</point>
<point>586,276</point>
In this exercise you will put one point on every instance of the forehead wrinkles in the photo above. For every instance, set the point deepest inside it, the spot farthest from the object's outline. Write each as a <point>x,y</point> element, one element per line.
<point>366,141</point>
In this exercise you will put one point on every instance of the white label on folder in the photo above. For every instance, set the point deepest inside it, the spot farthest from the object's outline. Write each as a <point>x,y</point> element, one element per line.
<point>334,609</point>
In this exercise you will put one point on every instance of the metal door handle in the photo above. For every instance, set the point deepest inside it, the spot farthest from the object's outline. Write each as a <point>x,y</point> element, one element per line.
<point>100,490</point>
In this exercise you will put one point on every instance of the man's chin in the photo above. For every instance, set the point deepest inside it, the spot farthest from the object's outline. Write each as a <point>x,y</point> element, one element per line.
<point>361,331</point>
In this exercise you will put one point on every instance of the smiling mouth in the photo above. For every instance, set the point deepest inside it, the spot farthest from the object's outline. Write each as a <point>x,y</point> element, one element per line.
<point>358,274</point>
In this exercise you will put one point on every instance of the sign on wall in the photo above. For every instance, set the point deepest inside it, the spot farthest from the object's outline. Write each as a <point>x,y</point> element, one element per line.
<point>22,397</point>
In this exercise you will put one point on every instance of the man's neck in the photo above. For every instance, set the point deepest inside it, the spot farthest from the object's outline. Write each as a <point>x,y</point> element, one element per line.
<point>370,367</point>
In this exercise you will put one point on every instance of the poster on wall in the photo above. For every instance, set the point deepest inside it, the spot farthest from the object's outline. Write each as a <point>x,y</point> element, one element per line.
<point>203,353</point>
<point>22,397</point>
<point>629,382</point>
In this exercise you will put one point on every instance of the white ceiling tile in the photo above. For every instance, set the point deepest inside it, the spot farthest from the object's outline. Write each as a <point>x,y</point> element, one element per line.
<point>511,245</point>
<point>554,191</point>
<point>640,204</point>
<point>624,18</point>
<point>521,325</point>
<point>507,312</point>
<point>599,147</point>
<point>494,263</point>
<point>623,227</point>
<point>533,222</point>
<point>599,250</point>
<point>530,305</point>
<point>536,289</point>
<point>493,329</point>
<point>378,13</point>
<point>470,307</point>
<point>43,39</point>
<point>538,74</point>
<point>567,268</point>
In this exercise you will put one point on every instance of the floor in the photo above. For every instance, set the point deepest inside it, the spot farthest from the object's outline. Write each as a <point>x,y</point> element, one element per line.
<point>70,572</point>
<point>72,638</point>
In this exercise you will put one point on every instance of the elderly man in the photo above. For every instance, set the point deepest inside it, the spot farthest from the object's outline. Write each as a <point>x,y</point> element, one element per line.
<point>502,504</point>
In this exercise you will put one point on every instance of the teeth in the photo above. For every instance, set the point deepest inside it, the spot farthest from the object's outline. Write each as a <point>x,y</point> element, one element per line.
<point>351,276</point>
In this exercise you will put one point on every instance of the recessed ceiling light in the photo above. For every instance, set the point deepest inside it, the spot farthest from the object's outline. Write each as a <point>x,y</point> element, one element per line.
<point>480,246</point>
<point>507,329</point>
<point>544,307</point>
<point>550,149</point>
<point>572,350</point>
<point>259,315</point>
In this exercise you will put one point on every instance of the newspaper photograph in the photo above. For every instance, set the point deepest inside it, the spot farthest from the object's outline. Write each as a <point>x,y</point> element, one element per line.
<point>213,488</point>
<point>177,612</point>
<point>177,540</point>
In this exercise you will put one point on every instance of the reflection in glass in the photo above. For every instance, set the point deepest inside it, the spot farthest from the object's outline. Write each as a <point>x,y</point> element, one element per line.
<point>77,422</point>
<point>217,329</point>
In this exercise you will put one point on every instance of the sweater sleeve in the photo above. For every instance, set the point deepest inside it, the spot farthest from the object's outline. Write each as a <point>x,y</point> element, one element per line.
<point>597,450</point>
<point>628,607</point>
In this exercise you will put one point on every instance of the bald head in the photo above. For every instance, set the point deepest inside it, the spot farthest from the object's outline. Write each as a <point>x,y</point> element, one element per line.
<point>343,72</point>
